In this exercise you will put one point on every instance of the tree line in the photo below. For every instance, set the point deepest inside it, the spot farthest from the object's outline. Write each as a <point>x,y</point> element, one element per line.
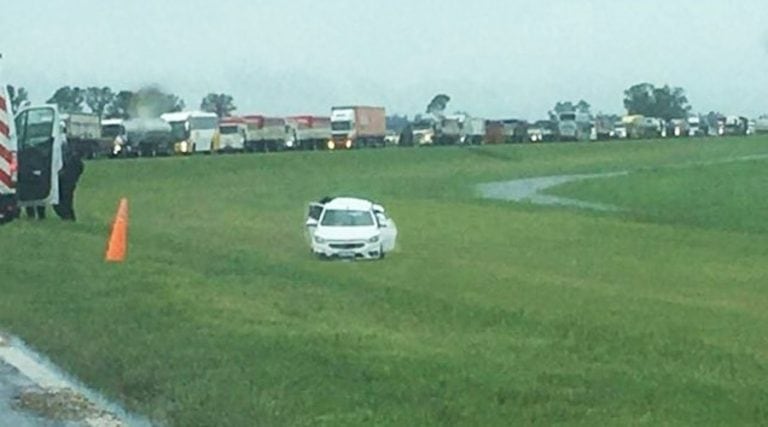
<point>665,102</point>
<point>149,101</point>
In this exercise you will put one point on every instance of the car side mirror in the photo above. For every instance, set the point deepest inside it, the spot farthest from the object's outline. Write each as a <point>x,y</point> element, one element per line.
<point>311,222</point>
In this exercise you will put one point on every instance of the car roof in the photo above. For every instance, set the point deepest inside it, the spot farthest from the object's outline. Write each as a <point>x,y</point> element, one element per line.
<point>349,203</point>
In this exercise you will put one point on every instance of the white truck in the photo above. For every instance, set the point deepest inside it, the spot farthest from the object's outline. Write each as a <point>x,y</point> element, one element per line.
<point>232,134</point>
<point>694,126</point>
<point>193,131</point>
<point>473,130</point>
<point>357,126</point>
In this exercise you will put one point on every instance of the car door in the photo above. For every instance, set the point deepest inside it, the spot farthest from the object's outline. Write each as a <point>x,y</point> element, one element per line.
<point>314,212</point>
<point>39,144</point>
<point>388,231</point>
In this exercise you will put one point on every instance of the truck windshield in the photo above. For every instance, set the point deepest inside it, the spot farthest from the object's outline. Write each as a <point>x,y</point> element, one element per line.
<point>203,123</point>
<point>179,131</point>
<point>422,126</point>
<point>346,125</point>
<point>228,130</point>
<point>344,218</point>
<point>568,116</point>
<point>111,131</point>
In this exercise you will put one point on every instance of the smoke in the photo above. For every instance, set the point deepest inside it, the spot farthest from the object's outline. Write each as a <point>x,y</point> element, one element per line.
<point>151,101</point>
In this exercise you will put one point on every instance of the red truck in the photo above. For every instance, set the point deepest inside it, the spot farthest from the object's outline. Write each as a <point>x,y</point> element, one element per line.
<point>357,126</point>
<point>266,133</point>
<point>309,132</point>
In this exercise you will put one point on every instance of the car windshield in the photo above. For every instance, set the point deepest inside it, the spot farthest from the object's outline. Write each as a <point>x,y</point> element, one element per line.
<point>346,218</point>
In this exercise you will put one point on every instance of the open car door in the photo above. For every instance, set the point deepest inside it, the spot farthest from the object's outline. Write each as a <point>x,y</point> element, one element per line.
<point>40,160</point>
<point>388,231</point>
<point>314,212</point>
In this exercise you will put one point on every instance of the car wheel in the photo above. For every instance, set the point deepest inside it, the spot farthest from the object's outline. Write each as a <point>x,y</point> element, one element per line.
<point>382,255</point>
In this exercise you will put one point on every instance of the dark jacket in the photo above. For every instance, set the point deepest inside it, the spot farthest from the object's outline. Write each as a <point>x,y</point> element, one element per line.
<point>72,166</point>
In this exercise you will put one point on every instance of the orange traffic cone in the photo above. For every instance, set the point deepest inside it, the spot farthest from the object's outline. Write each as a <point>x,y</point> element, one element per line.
<point>118,238</point>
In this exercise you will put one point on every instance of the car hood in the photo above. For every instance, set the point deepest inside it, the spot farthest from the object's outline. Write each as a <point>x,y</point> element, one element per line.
<point>347,233</point>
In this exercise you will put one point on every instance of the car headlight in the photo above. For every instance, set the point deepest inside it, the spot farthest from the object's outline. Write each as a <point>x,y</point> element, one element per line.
<point>319,239</point>
<point>331,145</point>
<point>374,239</point>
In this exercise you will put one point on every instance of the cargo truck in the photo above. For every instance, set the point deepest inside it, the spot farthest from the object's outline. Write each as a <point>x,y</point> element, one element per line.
<point>309,132</point>
<point>474,130</point>
<point>761,125</point>
<point>448,131</point>
<point>494,132</point>
<point>232,134</point>
<point>140,137</point>
<point>357,127</point>
<point>266,134</point>
<point>83,132</point>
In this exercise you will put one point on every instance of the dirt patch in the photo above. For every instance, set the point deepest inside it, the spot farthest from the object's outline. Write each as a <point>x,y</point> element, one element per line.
<point>63,405</point>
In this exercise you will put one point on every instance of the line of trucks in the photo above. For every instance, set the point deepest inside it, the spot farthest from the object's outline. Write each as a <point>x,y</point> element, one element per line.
<point>189,132</point>
<point>362,126</point>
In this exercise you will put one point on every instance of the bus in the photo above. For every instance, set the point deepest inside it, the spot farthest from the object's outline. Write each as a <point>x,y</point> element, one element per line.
<point>193,131</point>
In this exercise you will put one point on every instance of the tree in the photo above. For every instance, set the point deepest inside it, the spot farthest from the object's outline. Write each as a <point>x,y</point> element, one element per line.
<point>221,104</point>
<point>567,106</point>
<point>583,107</point>
<point>120,105</point>
<point>397,122</point>
<point>150,102</point>
<point>98,99</point>
<point>17,97</point>
<point>68,99</point>
<point>438,104</point>
<point>665,102</point>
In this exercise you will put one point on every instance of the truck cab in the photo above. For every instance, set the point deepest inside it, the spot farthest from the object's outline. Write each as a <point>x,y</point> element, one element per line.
<point>567,127</point>
<point>357,126</point>
<point>232,133</point>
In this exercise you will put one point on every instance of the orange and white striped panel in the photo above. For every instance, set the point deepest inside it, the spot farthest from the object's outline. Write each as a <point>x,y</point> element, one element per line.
<point>7,149</point>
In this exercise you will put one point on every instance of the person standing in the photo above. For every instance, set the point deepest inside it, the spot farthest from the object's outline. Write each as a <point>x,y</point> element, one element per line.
<point>70,173</point>
<point>37,211</point>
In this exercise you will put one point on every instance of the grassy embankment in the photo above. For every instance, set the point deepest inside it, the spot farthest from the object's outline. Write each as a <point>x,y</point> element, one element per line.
<point>490,313</point>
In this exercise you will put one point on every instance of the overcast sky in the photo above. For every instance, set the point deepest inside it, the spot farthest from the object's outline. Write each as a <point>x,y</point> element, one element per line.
<point>495,58</point>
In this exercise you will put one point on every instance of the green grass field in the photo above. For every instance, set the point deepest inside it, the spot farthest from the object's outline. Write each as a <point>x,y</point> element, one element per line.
<point>490,313</point>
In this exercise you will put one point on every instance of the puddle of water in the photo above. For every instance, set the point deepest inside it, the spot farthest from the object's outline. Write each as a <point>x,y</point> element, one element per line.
<point>29,379</point>
<point>531,190</point>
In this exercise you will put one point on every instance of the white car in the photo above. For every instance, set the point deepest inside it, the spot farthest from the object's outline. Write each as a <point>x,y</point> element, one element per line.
<point>351,228</point>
